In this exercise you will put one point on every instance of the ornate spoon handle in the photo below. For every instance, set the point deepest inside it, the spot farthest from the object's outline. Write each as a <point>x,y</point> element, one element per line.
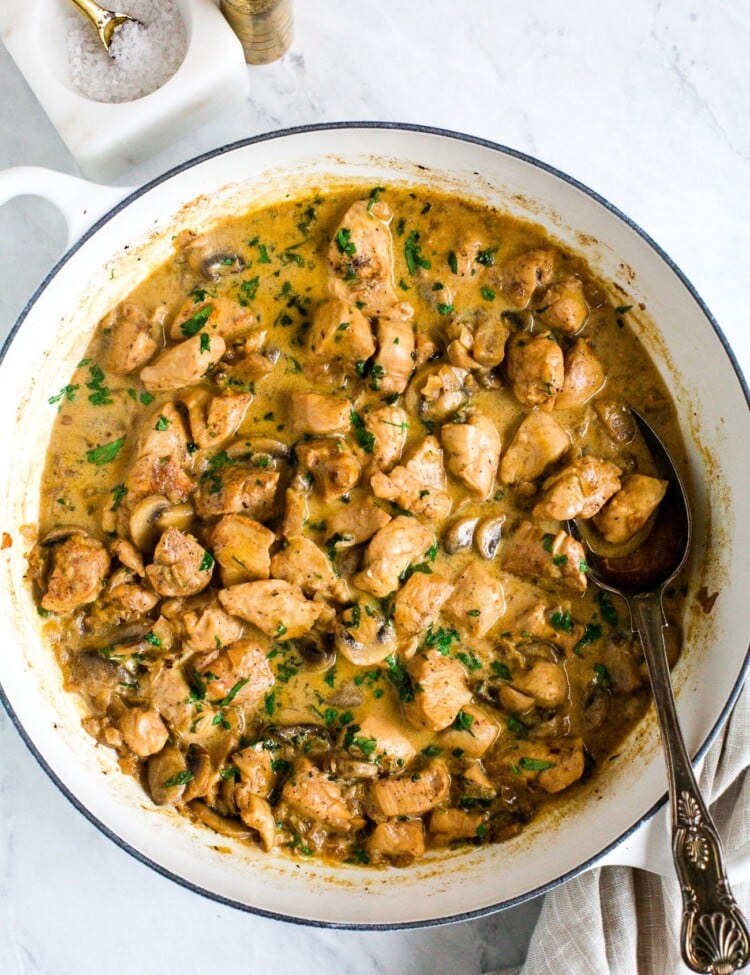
<point>714,936</point>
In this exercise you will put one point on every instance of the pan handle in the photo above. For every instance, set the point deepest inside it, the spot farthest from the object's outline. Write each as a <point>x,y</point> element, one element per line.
<point>649,848</point>
<point>80,202</point>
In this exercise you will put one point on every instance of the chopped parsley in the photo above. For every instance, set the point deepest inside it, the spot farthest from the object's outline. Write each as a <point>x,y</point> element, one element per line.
<point>161,424</point>
<point>603,678</point>
<point>68,392</point>
<point>344,242</point>
<point>398,675</point>
<point>453,262</point>
<point>486,257</point>
<point>413,253</point>
<point>118,494</point>
<point>105,453</point>
<point>591,633</point>
<point>463,722</point>
<point>364,438</point>
<point>207,562</point>
<point>193,325</point>
<point>562,621</point>
<point>488,294</point>
<point>181,778</point>
<point>607,607</point>
<point>534,764</point>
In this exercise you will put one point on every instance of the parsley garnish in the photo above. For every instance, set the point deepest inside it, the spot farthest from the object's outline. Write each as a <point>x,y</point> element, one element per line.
<point>106,453</point>
<point>344,242</point>
<point>413,253</point>
<point>193,325</point>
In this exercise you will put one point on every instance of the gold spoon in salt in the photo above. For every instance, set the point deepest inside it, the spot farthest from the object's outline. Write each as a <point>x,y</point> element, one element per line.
<point>104,21</point>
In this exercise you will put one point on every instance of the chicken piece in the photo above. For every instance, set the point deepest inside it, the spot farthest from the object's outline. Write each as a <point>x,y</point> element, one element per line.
<point>256,772</point>
<point>578,490</point>
<point>522,276</point>
<point>215,419</point>
<point>274,606</point>
<point>537,443</point>
<point>315,797</point>
<point>412,795</point>
<point>401,541</point>
<point>400,840</point>
<point>454,824</point>
<point>296,513</point>
<point>303,564</point>
<point>164,433</point>
<point>355,523</point>
<point>391,750</point>
<point>240,674</point>
<point>565,306</point>
<point>128,555</point>
<point>630,508</point>
<point>206,625</point>
<point>183,364</point>
<point>440,690</point>
<point>361,254</point>
<point>130,343</point>
<point>553,765</point>
<point>231,490</point>
<point>152,474</point>
<point>218,316</point>
<point>79,568</point>
<point>240,545</point>
<point>584,377</point>
<point>167,690</point>
<point>478,600</point>
<point>490,338</point>
<point>394,362</point>
<point>545,681</point>
<point>341,332</point>
<point>473,452</point>
<point>257,813</point>
<point>131,600</point>
<point>535,368</point>
<point>419,484</point>
<point>419,602</point>
<point>555,559</point>
<point>181,566</point>
<point>468,246</point>
<point>388,425</point>
<point>473,732</point>
<point>143,731</point>
<point>623,668</point>
<point>319,414</point>
<point>334,468</point>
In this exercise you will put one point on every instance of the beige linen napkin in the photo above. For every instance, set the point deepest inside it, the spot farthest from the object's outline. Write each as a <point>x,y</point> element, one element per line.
<point>620,921</point>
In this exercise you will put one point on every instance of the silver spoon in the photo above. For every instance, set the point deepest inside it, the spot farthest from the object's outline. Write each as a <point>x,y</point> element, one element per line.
<point>714,936</point>
<point>105,22</point>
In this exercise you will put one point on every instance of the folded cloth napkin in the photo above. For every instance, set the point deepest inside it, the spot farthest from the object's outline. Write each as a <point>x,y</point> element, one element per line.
<point>620,921</point>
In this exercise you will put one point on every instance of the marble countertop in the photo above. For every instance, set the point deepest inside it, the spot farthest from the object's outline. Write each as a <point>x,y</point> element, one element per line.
<point>645,103</point>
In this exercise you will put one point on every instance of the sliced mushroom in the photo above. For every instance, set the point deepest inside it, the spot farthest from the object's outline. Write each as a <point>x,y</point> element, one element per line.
<point>487,536</point>
<point>317,652</point>
<point>220,824</point>
<point>364,639</point>
<point>255,446</point>
<point>460,534</point>
<point>213,265</point>
<point>153,515</point>
<point>60,533</point>
<point>167,775</point>
<point>199,763</point>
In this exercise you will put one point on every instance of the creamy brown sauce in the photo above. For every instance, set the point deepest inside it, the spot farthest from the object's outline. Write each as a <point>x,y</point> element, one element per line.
<point>366,704</point>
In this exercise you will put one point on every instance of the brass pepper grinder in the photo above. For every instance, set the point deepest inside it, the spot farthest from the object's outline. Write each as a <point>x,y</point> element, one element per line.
<point>265,27</point>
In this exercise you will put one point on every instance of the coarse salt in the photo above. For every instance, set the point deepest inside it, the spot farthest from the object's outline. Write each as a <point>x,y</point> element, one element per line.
<point>143,56</point>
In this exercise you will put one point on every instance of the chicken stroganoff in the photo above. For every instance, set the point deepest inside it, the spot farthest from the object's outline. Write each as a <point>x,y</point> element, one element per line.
<point>302,547</point>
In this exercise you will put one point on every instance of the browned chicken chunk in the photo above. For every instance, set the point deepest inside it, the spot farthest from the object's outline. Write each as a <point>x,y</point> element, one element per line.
<point>394,362</point>
<point>579,490</point>
<point>478,600</point>
<point>522,276</point>
<point>218,316</point>
<point>419,602</point>
<point>473,734</point>
<point>181,566</point>
<point>536,445</point>
<point>565,306</point>
<point>241,547</point>
<point>79,568</point>
<point>388,426</point>
<point>303,564</point>
<point>276,607</point>
<point>131,343</point>
<point>143,731</point>
<point>419,484</point>
<point>630,508</point>
<point>455,824</point>
<point>361,254</point>
<point>384,742</point>
<point>402,541</point>
<point>340,331</point>
<point>473,452</point>
<point>315,797</point>
<point>400,840</point>
<point>240,674</point>
<point>232,490</point>
<point>334,468</point>
<point>440,690</point>
<point>183,364</point>
<point>584,376</point>
<point>535,368</point>
<point>318,413</point>
<point>206,625</point>
<point>412,795</point>
<point>355,523</point>
<point>215,419</point>
<point>556,559</point>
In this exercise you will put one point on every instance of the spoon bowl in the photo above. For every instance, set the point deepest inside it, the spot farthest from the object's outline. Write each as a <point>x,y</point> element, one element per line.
<point>714,935</point>
<point>105,22</point>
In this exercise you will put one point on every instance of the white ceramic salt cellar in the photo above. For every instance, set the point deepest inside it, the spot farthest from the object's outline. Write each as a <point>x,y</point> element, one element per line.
<point>107,138</point>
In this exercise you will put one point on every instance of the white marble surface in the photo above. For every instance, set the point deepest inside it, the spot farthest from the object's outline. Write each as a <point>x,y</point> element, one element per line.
<point>646,102</point>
